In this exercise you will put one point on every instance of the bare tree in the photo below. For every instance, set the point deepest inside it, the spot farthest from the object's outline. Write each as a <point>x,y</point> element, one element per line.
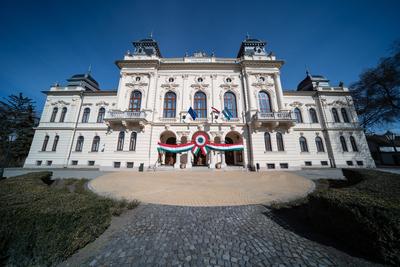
<point>377,93</point>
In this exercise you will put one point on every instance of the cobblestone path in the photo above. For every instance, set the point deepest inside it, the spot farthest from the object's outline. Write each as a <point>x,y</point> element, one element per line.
<point>157,235</point>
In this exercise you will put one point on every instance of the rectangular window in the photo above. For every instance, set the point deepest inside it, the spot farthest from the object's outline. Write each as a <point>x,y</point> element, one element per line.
<point>91,162</point>
<point>38,162</point>
<point>349,163</point>
<point>129,165</point>
<point>270,165</point>
<point>324,163</point>
<point>308,163</point>
<point>74,162</point>
<point>49,162</point>
<point>284,165</point>
<point>360,163</point>
<point>117,164</point>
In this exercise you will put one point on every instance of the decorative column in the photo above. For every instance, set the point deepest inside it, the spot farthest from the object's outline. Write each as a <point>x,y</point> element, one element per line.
<point>250,95</point>
<point>211,160</point>
<point>177,164</point>
<point>223,163</point>
<point>278,90</point>
<point>189,159</point>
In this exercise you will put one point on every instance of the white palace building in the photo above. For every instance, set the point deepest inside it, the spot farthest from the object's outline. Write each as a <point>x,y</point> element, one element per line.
<point>243,117</point>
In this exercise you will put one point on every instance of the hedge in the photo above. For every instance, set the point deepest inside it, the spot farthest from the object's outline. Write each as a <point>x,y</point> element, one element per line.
<point>365,214</point>
<point>41,225</point>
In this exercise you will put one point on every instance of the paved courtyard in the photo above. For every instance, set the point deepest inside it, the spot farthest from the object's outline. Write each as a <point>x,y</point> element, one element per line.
<point>159,235</point>
<point>206,188</point>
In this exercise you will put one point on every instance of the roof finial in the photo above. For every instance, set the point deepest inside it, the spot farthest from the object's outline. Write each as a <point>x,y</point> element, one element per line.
<point>307,71</point>
<point>247,35</point>
<point>151,35</point>
<point>89,71</point>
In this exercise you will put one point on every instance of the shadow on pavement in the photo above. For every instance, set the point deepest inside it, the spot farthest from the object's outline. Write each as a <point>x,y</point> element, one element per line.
<point>295,220</point>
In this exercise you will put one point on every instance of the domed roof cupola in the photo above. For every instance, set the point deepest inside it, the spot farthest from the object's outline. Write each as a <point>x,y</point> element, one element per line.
<point>252,47</point>
<point>147,47</point>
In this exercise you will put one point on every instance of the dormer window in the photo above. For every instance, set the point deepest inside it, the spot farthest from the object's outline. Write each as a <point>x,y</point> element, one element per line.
<point>228,80</point>
<point>171,80</point>
<point>138,79</point>
<point>200,80</point>
<point>140,50</point>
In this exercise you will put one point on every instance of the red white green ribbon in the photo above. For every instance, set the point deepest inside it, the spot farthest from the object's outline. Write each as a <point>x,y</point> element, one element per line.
<point>200,142</point>
<point>225,147</point>
<point>175,148</point>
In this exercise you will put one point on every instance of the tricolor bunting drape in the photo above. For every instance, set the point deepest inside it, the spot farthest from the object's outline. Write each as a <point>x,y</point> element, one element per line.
<point>200,142</point>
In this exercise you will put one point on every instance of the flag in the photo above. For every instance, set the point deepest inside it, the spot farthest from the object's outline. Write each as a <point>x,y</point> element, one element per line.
<point>228,115</point>
<point>192,113</point>
<point>215,110</point>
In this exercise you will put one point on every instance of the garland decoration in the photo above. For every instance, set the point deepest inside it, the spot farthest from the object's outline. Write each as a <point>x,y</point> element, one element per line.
<point>200,142</point>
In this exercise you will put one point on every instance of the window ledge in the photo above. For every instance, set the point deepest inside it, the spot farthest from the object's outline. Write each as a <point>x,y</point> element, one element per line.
<point>125,151</point>
<point>275,152</point>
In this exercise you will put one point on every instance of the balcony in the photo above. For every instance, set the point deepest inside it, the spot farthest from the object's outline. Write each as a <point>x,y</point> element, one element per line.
<point>274,119</point>
<point>125,118</point>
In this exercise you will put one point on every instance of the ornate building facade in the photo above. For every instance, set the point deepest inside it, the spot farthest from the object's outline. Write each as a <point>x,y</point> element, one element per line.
<point>84,127</point>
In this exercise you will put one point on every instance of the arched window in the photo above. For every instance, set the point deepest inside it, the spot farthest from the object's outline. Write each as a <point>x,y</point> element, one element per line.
<point>100,116</point>
<point>135,101</point>
<point>279,141</point>
<point>79,144</point>
<point>55,143</point>
<point>200,104</point>
<point>335,115</point>
<point>320,144</point>
<point>344,115</point>
<point>63,114</point>
<point>299,117</point>
<point>230,103</point>
<point>170,105</point>
<point>45,142</point>
<point>344,144</point>
<point>96,143</point>
<point>132,142</point>
<point>264,102</point>
<point>303,144</point>
<point>353,144</point>
<point>267,141</point>
<point>120,144</point>
<point>313,116</point>
<point>85,116</point>
<point>54,114</point>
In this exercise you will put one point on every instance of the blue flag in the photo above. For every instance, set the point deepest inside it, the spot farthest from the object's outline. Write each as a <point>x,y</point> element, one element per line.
<point>228,115</point>
<point>192,113</point>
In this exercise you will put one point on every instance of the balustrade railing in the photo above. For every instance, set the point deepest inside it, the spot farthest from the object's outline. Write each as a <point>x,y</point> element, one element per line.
<point>275,116</point>
<point>116,114</point>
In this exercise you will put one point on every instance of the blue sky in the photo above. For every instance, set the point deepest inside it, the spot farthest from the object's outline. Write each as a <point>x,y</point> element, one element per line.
<point>43,42</point>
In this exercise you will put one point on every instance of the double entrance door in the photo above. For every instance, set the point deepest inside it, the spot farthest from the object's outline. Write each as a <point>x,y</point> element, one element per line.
<point>199,160</point>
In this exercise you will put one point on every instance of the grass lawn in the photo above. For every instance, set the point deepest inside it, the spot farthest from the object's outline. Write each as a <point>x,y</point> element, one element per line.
<point>42,222</point>
<point>362,212</point>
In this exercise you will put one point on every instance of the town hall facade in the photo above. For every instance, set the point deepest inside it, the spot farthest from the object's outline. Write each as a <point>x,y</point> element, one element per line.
<point>84,127</point>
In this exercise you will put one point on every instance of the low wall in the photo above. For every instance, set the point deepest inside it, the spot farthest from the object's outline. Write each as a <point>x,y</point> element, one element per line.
<point>57,173</point>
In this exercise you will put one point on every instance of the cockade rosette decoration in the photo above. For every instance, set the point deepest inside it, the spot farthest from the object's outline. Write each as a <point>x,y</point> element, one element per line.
<point>200,142</point>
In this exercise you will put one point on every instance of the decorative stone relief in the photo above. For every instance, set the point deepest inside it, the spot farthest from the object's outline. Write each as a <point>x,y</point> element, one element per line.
<point>338,103</point>
<point>59,102</point>
<point>102,103</point>
<point>310,105</point>
<point>296,104</point>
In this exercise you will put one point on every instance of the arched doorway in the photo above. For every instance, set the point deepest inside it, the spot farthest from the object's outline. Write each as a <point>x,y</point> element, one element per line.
<point>200,160</point>
<point>233,158</point>
<point>169,138</point>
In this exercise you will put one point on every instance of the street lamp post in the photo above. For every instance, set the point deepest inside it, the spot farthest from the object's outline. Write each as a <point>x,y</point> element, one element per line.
<point>11,138</point>
<point>391,137</point>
